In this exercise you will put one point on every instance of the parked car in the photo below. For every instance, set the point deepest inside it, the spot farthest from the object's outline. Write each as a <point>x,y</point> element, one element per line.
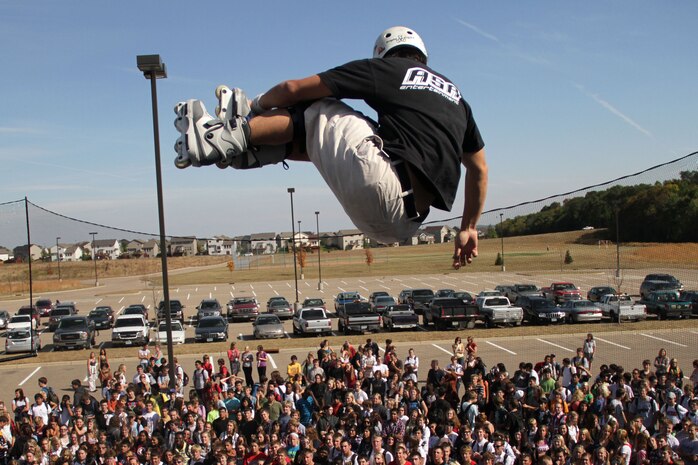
<point>60,311</point>
<point>178,334</point>
<point>691,296</point>
<point>281,308</point>
<point>20,340</point>
<point>372,297</point>
<point>109,310</point>
<point>211,328</point>
<point>621,307</point>
<point>520,290</point>
<point>495,310</point>
<point>344,298</point>
<point>358,317</point>
<point>505,290</point>
<point>560,292</point>
<point>444,293</point>
<point>243,308</point>
<point>21,322</point>
<point>133,310</point>
<point>311,320</point>
<point>652,280</point>
<point>66,304</point>
<point>667,304</point>
<point>579,311</point>
<point>4,319</point>
<point>399,316</point>
<point>274,299</point>
<point>44,306</point>
<point>420,299</point>
<point>404,297</point>
<point>596,292</point>
<point>100,318</point>
<point>465,296</point>
<point>143,309</point>
<point>32,311</point>
<point>381,303</point>
<point>130,330</point>
<point>447,312</point>
<point>314,303</point>
<point>488,293</point>
<point>176,311</point>
<point>74,331</point>
<point>268,327</point>
<point>208,307</point>
<point>538,309</point>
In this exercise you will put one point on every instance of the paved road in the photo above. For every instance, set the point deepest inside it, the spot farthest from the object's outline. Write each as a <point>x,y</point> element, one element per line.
<point>625,348</point>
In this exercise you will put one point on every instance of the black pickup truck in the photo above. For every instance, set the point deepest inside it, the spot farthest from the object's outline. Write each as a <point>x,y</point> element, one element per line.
<point>420,300</point>
<point>358,317</point>
<point>447,312</point>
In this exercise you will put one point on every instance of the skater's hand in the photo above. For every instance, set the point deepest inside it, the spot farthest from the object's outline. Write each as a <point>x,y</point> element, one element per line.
<point>465,247</point>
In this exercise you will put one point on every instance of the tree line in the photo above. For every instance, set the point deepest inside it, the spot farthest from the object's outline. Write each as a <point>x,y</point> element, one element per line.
<point>660,212</point>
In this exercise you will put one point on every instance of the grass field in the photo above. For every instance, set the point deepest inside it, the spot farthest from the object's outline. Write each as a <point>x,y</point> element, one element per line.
<point>543,252</point>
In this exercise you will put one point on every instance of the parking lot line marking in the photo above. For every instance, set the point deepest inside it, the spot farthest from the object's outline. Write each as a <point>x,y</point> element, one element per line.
<point>500,347</point>
<point>188,295</point>
<point>693,332</point>
<point>271,360</point>
<point>307,283</point>
<point>215,288</point>
<point>555,345</point>
<point>251,286</point>
<point>385,287</point>
<point>30,375</point>
<point>344,282</point>
<point>98,301</point>
<point>341,289</point>
<point>287,335</point>
<point>612,343</point>
<point>663,340</point>
<point>362,281</point>
<point>143,299</point>
<point>231,294</point>
<point>364,288</point>
<point>442,349</point>
<point>121,299</point>
<point>254,293</point>
<point>196,289</point>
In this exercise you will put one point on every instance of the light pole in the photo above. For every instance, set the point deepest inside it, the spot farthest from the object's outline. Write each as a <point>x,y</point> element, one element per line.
<point>501,233</point>
<point>300,246</point>
<point>291,190</point>
<point>153,69</point>
<point>617,245</point>
<point>319,249</point>
<point>94,256</point>
<point>58,258</point>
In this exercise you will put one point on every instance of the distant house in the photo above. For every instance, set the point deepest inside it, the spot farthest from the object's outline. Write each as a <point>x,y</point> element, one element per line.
<point>72,253</point>
<point>420,237</point>
<point>441,233</point>
<point>21,254</point>
<point>263,243</point>
<point>349,239</point>
<point>5,254</point>
<point>184,246</point>
<point>106,248</point>
<point>57,252</point>
<point>220,245</point>
<point>134,247</point>
<point>151,248</point>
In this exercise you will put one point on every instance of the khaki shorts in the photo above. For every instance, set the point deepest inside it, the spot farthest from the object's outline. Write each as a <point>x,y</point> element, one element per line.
<point>344,147</point>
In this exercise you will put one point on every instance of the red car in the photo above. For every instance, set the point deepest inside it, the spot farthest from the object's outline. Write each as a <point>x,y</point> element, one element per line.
<point>45,306</point>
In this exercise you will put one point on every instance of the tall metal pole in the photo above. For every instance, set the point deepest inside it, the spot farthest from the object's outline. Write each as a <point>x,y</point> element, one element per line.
<point>58,258</point>
<point>31,282</point>
<point>501,233</point>
<point>617,245</point>
<point>153,76</point>
<point>94,256</point>
<point>300,245</point>
<point>319,250</point>
<point>291,190</point>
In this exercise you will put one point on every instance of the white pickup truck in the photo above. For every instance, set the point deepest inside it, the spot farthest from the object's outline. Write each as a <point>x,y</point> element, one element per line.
<point>498,310</point>
<point>311,321</point>
<point>621,307</point>
<point>130,330</point>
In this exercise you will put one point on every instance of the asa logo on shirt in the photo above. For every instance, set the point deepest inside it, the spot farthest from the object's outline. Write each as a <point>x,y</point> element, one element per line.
<point>421,79</point>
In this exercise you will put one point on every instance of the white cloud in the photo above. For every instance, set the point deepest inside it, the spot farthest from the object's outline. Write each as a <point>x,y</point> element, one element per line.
<point>478,31</point>
<point>613,110</point>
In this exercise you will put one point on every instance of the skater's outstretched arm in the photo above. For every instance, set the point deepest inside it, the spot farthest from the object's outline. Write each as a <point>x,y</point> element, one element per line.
<point>475,193</point>
<point>290,92</point>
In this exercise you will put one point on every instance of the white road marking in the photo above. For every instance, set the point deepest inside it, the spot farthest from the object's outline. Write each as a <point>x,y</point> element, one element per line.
<point>254,293</point>
<point>30,375</point>
<point>121,299</point>
<point>555,345</point>
<point>344,282</point>
<point>663,340</point>
<point>442,349</point>
<point>287,336</point>
<point>251,286</point>
<point>288,284</point>
<point>364,288</point>
<point>210,295</point>
<point>188,295</point>
<point>271,360</point>
<point>341,290</point>
<point>362,281</point>
<point>276,292</point>
<point>385,287</point>
<point>98,301</point>
<point>177,290</point>
<point>196,289</point>
<point>612,343</point>
<point>143,299</point>
<point>215,288</point>
<point>231,294</point>
<point>500,347</point>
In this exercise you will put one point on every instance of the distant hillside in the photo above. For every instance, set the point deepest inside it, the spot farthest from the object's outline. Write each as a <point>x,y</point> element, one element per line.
<point>660,212</point>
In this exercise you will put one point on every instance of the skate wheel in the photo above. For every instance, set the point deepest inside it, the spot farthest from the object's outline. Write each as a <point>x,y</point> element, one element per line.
<point>219,111</point>
<point>222,89</point>
<point>178,107</point>
<point>182,162</point>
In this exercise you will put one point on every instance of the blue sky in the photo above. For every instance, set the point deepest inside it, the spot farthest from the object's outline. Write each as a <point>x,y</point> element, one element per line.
<point>565,93</point>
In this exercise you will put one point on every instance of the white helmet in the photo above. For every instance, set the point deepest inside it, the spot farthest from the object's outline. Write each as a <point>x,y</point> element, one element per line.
<point>398,36</point>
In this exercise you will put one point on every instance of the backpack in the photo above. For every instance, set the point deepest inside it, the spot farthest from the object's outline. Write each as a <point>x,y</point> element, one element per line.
<point>52,397</point>
<point>185,378</point>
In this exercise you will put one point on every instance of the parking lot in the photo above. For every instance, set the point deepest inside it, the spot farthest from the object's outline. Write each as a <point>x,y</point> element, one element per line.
<point>119,295</point>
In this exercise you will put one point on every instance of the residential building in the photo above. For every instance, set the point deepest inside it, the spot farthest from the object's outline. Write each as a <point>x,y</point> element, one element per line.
<point>263,243</point>
<point>20,252</point>
<point>5,254</point>
<point>151,248</point>
<point>106,249</point>
<point>220,245</point>
<point>72,253</point>
<point>184,246</point>
<point>349,239</point>
<point>441,233</point>
<point>134,248</point>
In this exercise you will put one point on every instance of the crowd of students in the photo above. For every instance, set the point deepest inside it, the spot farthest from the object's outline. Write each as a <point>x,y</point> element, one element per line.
<point>359,405</point>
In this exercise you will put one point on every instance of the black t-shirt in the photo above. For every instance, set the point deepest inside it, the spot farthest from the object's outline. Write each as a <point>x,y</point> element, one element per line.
<point>422,117</point>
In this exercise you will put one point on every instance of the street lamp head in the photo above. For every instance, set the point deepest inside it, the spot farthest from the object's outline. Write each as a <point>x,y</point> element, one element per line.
<point>151,66</point>
<point>291,190</point>
<point>317,213</point>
